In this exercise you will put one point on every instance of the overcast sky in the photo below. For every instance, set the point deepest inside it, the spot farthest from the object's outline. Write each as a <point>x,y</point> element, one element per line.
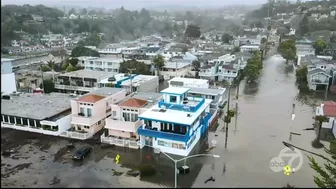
<point>136,4</point>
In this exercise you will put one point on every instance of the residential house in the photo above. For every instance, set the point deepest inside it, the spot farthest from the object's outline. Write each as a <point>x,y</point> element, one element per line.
<point>250,48</point>
<point>107,64</point>
<point>90,110</point>
<point>328,109</point>
<point>188,82</point>
<point>304,47</point>
<point>122,126</point>
<point>176,69</point>
<point>176,123</point>
<point>318,79</point>
<point>48,114</point>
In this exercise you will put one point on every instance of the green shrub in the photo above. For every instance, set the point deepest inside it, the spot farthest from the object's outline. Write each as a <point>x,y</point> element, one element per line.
<point>332,146</point>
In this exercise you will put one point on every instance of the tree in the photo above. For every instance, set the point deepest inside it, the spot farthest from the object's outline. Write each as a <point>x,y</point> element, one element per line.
<point>196,65</point>
<point>319,119</point>
<point>287,49</point>
<point>235,50</point>
<point>193,31</point>
<point>320,45</point>
<point>158,63</point>
<point>84,11</point>
<point>73,62</point>
<point>304,25</point>
<point>83,26</point>
<point>70,68</point>
<point>140,67</point>
<point>95,28</point>
<point>48,86</point>
<point>326,176</point>
<point>301,79</point>
<point>92,40</point>
<point>72,11</point>
<point>227,38</point>
<point>253,67</point>
<point>333,38</point>
<point>83,51</point>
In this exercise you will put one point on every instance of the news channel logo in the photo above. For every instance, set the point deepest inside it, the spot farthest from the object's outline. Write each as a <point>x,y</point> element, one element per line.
<point>278,164</point>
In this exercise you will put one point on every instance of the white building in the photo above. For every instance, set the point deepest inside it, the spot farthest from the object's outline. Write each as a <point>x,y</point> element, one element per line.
<point>188,82</point>
<point>107,64</point>
<point>328,109</point>
<point>48,114</point>
<point>176,69</point>
<point>176,123</point>
<point>8,82</point>
<point>140,83</point>
<point>249,48</point>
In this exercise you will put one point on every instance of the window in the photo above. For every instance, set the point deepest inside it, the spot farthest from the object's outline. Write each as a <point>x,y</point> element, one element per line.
<point>160,143</point>
<point>213,97</point>
<point>81,110</point>
<point>173,99</point>
<point>85,127</point>
<point>89,112</point>
<point>114,114</point>
<point>175,145</point>
<point>181,146</point>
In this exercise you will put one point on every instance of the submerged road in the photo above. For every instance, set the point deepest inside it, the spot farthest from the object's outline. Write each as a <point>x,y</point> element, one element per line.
<point>263,122</point>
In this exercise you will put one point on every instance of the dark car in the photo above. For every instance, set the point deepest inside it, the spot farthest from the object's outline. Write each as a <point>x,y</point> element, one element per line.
<point>82,152</point>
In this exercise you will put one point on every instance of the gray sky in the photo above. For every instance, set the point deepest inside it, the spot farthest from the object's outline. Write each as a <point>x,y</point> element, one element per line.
<point>133,3</point>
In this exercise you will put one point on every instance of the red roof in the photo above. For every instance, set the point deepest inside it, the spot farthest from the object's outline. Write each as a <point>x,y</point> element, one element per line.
<point>91,98</point>
<point>134,103</point>
<point>329,109</point>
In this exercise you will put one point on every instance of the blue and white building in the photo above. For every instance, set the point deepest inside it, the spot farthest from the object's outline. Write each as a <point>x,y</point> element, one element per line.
<point>176,123</point>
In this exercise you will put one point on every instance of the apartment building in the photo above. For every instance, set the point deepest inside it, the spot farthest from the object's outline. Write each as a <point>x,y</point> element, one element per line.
<point>81,81</point>
<point>90,110</point>
<point>121,127</point>
<point>107,64</point>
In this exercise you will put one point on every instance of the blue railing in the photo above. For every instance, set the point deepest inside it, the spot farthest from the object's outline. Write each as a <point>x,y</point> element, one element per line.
<point>118,84</point>
<point>181,107</point>
<point>164,135</point>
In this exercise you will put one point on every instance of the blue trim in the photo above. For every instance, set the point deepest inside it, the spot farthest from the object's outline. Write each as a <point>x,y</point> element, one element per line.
<point>156,120</point>
<point>181,107</point>
<point>118,84</point>
<point>164,135</point>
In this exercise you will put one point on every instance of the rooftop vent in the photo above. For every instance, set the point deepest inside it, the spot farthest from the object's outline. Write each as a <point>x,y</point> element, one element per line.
<point>188,115</point>
<point>162,110</point>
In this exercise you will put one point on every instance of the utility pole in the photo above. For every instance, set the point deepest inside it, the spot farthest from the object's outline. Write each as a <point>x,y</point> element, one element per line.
<point>131,78</point>
<point>227,116</point>
<point>42,78</point>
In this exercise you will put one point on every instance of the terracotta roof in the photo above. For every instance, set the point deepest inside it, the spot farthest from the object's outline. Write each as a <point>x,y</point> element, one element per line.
<point>134,102</point>
<point>329,109</point>
<point>91,98</point>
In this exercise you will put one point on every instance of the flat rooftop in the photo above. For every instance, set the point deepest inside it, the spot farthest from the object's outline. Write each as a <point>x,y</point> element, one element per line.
<point>178,65</point>
<point>209,91</point>
<point>139,79</point>
<point>36,106</point>
<point>175,90</point>
<point>88,74</point>
<point>106,91</point>
<point>189,80</point>
<point>174,116</point>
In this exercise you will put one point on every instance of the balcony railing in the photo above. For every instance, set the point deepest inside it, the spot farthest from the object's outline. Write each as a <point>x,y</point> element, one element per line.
<point>320,81</point>
<point>164,135</point>
<point>183,107</point>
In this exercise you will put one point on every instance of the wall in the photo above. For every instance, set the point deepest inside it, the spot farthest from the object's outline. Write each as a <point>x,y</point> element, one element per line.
<point>8,83</point>
<point>64,123</point>
<point>150,86</point>
<point>6,67</point>
<point>119,133</point>
<point>116,97</point>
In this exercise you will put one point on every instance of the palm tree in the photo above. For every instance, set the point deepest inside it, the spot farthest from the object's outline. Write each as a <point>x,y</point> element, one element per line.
<point>51,65</point>
<point>158,63</point>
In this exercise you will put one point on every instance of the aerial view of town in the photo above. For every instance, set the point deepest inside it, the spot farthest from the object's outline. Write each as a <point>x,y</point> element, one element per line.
<point>168,94</point>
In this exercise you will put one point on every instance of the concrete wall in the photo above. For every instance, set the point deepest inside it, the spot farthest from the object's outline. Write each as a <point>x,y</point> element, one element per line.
<point>8,83</point>
<point>150,86</point>
<point>6,67</point>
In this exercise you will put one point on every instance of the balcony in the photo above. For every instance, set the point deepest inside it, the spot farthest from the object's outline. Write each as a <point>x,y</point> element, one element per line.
<point>79,119</point>
<point>164,135</point>
<point>76,88</point>
<point>118,124</point>
<point>318,81</point>
<point>190,104</point>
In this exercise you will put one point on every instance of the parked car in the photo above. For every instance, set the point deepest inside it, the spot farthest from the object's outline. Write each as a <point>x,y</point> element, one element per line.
<point>82,152</point>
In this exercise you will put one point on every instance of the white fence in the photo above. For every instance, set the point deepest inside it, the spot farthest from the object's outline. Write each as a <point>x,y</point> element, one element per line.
<point>76,135</point>
<point>30,129</point>
<point>120,142</point>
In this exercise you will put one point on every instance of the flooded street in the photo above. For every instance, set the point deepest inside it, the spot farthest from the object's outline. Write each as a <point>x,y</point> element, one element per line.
<point>263,122</point>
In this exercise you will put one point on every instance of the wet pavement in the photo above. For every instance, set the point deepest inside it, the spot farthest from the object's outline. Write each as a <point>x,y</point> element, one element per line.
<point>263,122</point>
